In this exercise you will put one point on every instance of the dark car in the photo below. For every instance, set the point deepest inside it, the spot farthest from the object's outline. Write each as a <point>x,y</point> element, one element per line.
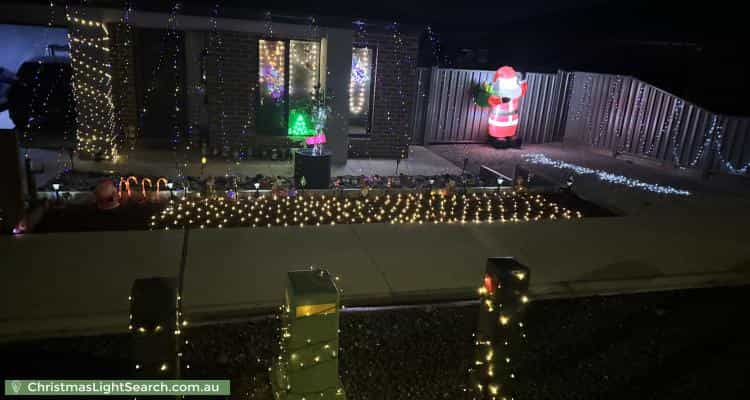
<point>41,97</point>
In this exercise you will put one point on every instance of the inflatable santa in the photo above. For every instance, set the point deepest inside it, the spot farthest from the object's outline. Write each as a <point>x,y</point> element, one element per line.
<point>507,90</point>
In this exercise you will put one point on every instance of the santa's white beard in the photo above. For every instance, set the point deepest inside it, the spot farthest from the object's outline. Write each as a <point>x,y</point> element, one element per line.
<point>507,88</point>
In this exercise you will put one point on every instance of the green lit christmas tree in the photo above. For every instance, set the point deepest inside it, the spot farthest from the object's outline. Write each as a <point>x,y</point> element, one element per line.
<point>299,126</point>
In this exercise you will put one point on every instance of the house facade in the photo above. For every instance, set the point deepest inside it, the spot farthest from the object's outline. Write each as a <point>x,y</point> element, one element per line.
<point>238,88</point>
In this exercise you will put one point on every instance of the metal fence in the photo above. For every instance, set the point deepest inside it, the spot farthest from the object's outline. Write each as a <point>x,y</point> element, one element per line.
<point>615,113</point>
<point>445,111</point>
<point>624,115</point>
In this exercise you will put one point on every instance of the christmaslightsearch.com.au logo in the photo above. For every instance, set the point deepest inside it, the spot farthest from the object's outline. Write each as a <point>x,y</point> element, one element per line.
<point>31,387</point>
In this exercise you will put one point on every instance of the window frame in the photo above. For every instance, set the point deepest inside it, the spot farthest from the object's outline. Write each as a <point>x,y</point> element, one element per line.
<point>287,82</point>
<point>371,97</point>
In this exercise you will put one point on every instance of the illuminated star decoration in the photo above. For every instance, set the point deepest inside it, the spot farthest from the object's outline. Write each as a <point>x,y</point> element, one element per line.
<point>541,159</point>
<point>273,81</point>
<point>360,74</point>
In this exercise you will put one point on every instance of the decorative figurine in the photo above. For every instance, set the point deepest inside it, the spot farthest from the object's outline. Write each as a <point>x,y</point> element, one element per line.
<point>507,90</point>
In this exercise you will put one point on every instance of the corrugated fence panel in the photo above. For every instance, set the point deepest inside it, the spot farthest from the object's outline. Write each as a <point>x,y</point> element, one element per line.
<point>563,91</point>
<point>536,119</point>
<point>451,115</point>
<point>612,112</point>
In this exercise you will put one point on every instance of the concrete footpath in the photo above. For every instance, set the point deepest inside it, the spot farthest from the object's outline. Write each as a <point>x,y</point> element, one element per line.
<point>78,283</point>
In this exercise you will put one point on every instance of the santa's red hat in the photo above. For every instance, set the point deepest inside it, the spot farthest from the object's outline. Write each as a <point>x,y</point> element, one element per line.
<point>505,72</point>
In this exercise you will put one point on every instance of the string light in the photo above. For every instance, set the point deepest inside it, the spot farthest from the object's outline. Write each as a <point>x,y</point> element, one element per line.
<point>435,45</point>
<point>92,88</point>
<point>640,130</point>
<point>33,116</point>
<point>505,284</point>
<point>724,162</point>
<point>216,42</point>
<point>304,74</point>
<point>303,357</point>
<point>360,79</point>
<point>605,176</point>
<point>676,116</point>
<point>323,209</point>
<point>585,103</point>
<point>304,60</point>
<point>272,68</point>
<point>663,129</point>
<point>614,90</point>
<point>162,345</point>
<point>402,61</point>
<point>177,134</point>
<point>706,144</point>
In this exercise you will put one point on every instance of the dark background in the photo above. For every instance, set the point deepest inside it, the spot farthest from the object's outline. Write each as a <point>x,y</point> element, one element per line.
<point>693,49</point>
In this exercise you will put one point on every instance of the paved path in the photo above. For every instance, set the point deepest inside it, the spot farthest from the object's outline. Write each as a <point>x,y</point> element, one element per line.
<point>154,162</point>
<point>718,189</point>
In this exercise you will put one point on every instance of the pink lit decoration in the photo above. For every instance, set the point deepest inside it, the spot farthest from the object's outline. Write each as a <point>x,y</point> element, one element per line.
<point>316,140</point>
<point>488,286</point>
<point>106,195</point>
<point>507,90</point>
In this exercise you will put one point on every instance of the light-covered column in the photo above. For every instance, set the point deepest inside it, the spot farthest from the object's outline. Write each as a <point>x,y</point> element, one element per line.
<point>307,367</point>
<point>500,332</point>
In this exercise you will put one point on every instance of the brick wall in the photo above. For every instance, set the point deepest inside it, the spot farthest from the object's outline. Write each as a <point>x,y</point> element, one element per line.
<point>121,44</point>
<point>240,71</point>
<point>389,134</point>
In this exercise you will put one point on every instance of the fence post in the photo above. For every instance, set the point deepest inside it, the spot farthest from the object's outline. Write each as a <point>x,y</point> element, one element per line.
<point>500,331</point>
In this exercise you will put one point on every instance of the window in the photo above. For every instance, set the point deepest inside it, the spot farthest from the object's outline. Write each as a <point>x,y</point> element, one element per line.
<point>289,80</point>
<point>304,81</point>
<point>272,79</point>
<point>361,88</point>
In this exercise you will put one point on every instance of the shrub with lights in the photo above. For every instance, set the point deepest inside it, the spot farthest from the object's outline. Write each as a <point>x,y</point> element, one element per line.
<point>313,209</point>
